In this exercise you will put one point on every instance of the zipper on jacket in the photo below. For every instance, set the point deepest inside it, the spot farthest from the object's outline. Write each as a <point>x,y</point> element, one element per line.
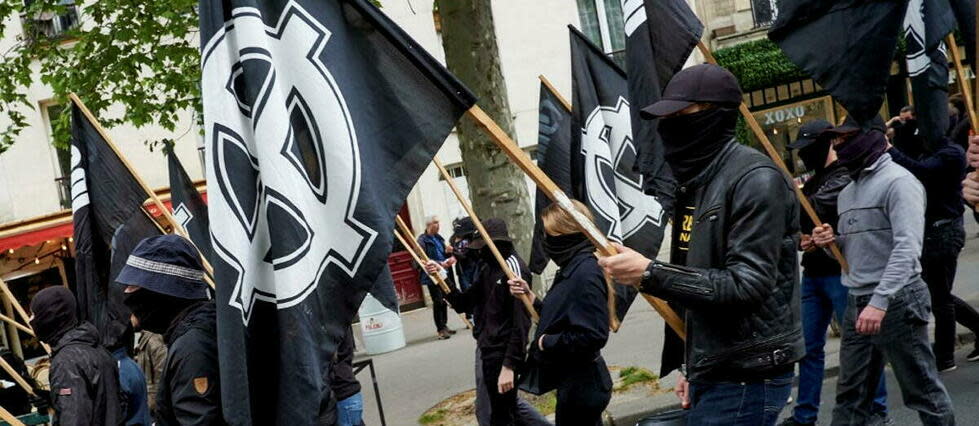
<point>667,267</point>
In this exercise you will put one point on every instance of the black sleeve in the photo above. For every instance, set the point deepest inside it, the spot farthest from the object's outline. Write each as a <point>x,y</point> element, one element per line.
<point>825,200</point>
<point>586,327</point>
<point>195,384</point>
<point>749,273</point>
<point>517,344</point>
<point>70,394</point>
<point>463,301</point>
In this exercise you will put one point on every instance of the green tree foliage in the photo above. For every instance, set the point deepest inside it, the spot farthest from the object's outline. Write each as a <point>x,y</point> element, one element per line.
<point>141,55</point>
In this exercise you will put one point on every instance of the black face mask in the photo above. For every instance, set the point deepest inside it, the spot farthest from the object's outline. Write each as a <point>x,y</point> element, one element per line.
<point>861,151</point>
<point>692,141</point>
<point>155,311</point>
<point>814,156</point>
<point>561,248</point>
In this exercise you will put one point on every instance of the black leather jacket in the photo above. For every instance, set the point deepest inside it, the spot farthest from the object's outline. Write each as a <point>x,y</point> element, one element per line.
<point>741,282</point>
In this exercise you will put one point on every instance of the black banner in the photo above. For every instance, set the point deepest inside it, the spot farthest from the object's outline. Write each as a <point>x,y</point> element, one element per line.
<point>189,208</point>
<point>108,223</point>
<point>319,118</point>
<point>554,158</point>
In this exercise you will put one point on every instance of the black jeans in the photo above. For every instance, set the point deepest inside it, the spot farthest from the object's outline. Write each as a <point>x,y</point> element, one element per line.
<point>583,395</point>
<point>503,407</point>
<point>903,342</point>
<point>939,259</point>
<point>440,309</point>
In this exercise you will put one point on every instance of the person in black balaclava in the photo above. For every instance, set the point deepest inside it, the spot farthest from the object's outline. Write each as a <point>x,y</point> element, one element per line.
<point>733,259</point>
<point>84,379</point>
<point>167,295</point>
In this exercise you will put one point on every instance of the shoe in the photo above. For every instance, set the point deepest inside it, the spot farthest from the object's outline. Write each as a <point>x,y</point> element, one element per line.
<point>450,331</point>
<point>947,368</point>
<point>973,356</point>
<point>443,335</point>
<point>791,421</point>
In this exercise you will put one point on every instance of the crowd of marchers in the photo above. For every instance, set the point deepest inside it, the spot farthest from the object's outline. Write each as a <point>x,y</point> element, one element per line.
<point>890,202</point>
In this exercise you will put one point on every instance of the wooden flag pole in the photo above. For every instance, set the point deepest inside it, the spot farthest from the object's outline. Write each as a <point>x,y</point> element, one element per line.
<point>550,87</point>
<point>421,259</point>
<point>19,326</point>
<point>17,378</point>
<point>587,227</point>
<point>777,159</point>
<point>9,418</point>
<point>486,236</point>
<point>964,86</point>
<point>963,82</point>
<point>177,227</point>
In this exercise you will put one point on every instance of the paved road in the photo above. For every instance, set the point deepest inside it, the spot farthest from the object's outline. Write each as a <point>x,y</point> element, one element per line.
<point>417,377</point>
<point>962,385</point>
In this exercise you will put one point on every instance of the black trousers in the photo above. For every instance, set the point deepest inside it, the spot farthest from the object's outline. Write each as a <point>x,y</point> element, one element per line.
<point>440,311</point>
<point>503,407</point>
<point>583,395</point>
<point>939,260</point>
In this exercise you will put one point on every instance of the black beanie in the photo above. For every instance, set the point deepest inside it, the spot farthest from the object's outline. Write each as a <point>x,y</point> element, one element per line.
<point>54,313</point>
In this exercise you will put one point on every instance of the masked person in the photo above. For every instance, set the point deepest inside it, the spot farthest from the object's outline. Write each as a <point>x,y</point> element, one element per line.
<point>501,323</point>
<point>941,168</point>
<point>574,323</point>
<point>823,293</point>
<point>84,379</point>
<point>734,269</point>
<point>881,221</point>
<point>167,295</point>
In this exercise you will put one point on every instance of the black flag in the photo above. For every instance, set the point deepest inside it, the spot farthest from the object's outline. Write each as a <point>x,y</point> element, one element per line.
<point>846,46</point>
<point>319,118</point>
<point>109,220</point>
<point>926,24</point>
<point>554,158</point>
<point>660,35</point>
<point>188,206</point>
<point>604,154</point>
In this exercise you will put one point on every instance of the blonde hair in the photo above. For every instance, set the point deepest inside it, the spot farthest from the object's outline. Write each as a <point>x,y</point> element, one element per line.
<point>559,222</point>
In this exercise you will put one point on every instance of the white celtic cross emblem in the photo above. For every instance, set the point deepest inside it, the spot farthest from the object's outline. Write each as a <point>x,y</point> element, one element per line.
<point>283,160</point>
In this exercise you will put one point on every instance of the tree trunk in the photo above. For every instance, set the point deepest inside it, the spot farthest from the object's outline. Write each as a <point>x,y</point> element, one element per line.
<point>497,186</point>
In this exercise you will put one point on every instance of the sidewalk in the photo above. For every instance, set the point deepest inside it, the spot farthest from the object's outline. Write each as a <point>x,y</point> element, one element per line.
<point>415,378</point>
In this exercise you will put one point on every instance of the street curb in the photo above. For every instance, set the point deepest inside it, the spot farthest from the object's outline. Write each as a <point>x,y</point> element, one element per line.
<point>630,413</point>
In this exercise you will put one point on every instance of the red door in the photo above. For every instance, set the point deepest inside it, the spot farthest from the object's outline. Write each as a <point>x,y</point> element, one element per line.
<point>404,273</point>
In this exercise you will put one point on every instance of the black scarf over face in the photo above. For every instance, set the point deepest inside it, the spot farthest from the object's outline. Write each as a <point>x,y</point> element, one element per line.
<point>561,248</point>
<point>860,151</point>
<point>155,311</point>
<point>814,155</point>
<point>692,141</point>
<point>54,312</point>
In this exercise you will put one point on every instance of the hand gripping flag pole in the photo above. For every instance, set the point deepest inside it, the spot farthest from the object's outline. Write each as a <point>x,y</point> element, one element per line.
<point>177,227</point>
<point>587,227</point>
<point>777,159</point>
<point>486,237</point>
<point>421,258</point>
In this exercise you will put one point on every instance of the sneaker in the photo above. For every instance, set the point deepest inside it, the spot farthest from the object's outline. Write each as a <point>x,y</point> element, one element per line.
<point>973,356</point>
<point>791,421</point>
<point>947,368</point>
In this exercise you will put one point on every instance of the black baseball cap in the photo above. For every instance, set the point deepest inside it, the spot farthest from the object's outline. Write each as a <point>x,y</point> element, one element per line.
<point>497,230</point>
<point>706,83</point>
<point>809,133</point>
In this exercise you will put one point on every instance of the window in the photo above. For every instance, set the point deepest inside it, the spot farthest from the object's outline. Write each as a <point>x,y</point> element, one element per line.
<point>603,23</point>
<point>50,25</point>
<point>63,180</point>
<point>764,12</point>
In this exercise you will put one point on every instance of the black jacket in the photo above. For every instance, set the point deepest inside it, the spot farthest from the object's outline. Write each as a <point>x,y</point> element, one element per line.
<point>84,380</point>
<point>823,190</point>
<point>741,285</point>
<point>941,173</point>
<point>190,391</point>
<point>573,319</point>
<point>501,323</point>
